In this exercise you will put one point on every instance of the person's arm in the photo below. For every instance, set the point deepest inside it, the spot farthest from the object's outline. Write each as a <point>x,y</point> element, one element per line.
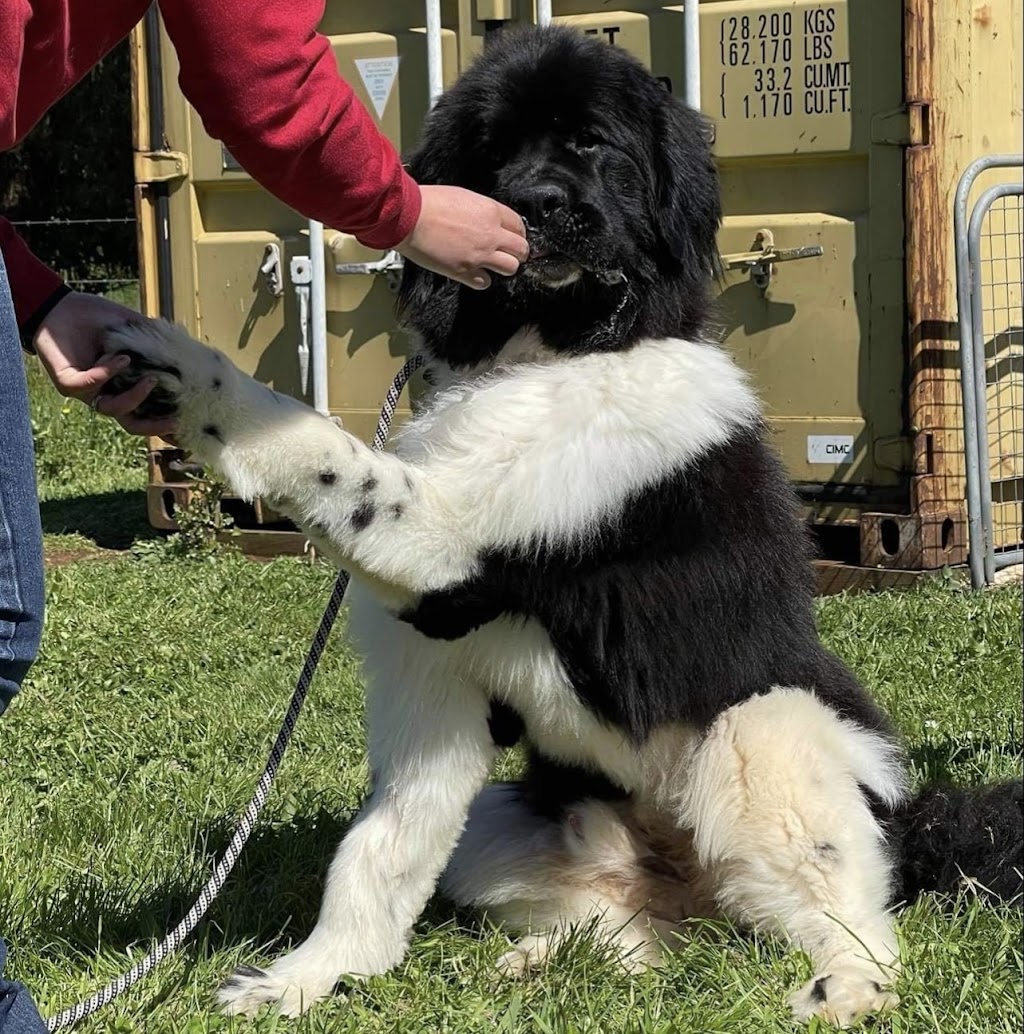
<point>35,288</point>
<point>265,83</point>
<point>65,328</point>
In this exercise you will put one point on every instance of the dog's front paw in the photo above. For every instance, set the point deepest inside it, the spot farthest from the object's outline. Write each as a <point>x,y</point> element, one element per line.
<point>194,384</point>
<point>249,988</point>
<point>147,344</point>
<point>843,995</point>
<point>305,975</point>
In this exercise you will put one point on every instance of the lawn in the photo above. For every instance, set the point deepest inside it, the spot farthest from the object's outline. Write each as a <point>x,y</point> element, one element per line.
<point>162,683</point>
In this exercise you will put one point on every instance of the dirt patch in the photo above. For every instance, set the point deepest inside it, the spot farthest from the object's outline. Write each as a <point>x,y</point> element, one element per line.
<point>60,556</point>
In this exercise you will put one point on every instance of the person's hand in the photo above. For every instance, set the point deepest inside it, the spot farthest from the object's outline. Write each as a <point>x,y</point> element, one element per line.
<point>462,235</point>
<point>69,345</point>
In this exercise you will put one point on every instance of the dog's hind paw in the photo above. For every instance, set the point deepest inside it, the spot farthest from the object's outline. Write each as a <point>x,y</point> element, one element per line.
<point>526,955</point>
<point>842,996</point>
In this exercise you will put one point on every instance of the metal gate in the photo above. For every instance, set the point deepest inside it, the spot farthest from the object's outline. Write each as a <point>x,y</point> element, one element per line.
<point>990,275</point>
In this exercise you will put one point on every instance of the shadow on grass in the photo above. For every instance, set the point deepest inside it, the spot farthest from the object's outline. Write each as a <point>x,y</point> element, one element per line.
<point>271,897</point>
<point>937,759</point>
<point>113,520</point>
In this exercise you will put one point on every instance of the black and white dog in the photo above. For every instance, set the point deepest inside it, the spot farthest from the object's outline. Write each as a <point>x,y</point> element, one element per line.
<point>582,540</point>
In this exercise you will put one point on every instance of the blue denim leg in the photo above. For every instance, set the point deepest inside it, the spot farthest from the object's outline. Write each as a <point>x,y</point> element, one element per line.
<point>21,580</point>
<point>17,1013</point>
<point>21,538</point>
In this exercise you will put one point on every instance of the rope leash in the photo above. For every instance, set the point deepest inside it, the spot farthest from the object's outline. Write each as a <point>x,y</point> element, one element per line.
<point>174,940</point>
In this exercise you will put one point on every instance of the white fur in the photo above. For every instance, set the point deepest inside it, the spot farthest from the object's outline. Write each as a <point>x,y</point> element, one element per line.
<point>521,453</point>
<point>430,752</point>
<point>781,823</point>
<point>554,444</point>
<point>533,448</point>
<point>547,879</point>
<point>782,841</point>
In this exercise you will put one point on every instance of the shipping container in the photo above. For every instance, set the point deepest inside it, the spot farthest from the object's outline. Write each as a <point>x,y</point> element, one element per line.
<point>840,131</point>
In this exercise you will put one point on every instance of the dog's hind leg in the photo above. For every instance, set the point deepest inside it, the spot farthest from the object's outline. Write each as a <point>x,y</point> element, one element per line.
<point>545,878</point>
<point>779,815</point>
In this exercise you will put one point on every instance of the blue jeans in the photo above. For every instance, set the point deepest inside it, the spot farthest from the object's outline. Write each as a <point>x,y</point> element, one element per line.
<point>21,580</point>
<point>17,1013</point>
<point>21,538</point>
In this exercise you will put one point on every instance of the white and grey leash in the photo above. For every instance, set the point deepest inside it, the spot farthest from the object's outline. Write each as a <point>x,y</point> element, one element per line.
<point>174,940</point>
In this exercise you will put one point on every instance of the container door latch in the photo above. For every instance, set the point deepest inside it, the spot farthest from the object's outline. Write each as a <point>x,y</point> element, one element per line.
<point>761,259</point>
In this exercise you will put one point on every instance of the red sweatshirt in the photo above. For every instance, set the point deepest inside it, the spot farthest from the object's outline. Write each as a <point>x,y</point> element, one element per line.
<point>262,79</point>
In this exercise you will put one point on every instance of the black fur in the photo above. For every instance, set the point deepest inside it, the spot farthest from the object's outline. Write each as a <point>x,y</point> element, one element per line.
<point>971,839</point>
<point>545,111</point>
<point>700,594</point>
<point>159,403</point>
<point>696,598</point>
<point>363,515</point>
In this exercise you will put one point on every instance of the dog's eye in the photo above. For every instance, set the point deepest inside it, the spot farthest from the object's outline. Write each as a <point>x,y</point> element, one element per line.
<point>586,141</point>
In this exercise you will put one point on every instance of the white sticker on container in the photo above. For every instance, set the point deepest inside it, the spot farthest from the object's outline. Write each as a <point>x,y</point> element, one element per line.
<point>830,448</point>
<point>378,75</point>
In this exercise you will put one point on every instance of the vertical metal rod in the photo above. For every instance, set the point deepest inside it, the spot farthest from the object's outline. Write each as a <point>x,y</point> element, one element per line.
<point>543,12</point>
<point>435,57</point>
<point>158,191</point>
<point>691,53</point>
<point>318,316</point>
<point>975,528</point>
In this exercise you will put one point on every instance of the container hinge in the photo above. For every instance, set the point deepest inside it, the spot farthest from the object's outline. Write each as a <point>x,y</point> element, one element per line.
<point>760,260</point>
<point>906,126</point>
<point>160,166</point>
<point>270,267</point>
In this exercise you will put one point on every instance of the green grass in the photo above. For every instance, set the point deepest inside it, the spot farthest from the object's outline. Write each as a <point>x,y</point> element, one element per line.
<point>144,725</point>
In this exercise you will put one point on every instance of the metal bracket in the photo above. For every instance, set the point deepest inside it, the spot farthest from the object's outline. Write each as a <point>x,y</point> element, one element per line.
<point>159,166</point>
<point>760,260</point>
<point>301,272</point>
<point>390,265</point>
<point>906,126</point>
<point>271,270</point>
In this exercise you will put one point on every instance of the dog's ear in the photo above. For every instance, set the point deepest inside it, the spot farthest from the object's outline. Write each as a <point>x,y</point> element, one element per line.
<point>426,300</point>
<point>688,203</point>
<point>449,142</point>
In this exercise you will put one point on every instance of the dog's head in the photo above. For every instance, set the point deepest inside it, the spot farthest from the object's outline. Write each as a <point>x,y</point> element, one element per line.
<point>613,178</point>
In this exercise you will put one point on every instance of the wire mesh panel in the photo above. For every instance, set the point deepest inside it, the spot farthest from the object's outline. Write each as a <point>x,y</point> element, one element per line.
<point>999,276</point>
<point>989,283</point>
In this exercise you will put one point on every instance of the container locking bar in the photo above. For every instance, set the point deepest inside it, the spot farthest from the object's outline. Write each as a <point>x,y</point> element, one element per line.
<point>390,265</point>
<point>761,259</point>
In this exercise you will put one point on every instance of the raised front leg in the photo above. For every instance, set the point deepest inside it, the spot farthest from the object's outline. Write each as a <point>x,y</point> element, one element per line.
<point>377,516</point>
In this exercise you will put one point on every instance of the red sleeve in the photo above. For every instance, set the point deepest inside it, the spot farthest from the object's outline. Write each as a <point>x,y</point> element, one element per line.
<point>32,281</point>
<point>265,83</point>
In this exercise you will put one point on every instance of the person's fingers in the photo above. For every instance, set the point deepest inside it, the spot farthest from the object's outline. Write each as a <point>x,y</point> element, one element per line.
<point>125,402</point>
<point>503,263</point>
<point>512,220</point>
<point>514,245</point>
<point>86,383</point>
<point>478,279</point>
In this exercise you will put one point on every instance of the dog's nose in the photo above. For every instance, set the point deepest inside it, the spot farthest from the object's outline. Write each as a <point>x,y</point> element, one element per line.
<point>539,202</point>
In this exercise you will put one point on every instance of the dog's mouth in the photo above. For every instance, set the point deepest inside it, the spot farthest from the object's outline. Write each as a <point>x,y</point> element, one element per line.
<point>552,268</point>
<point>555,266</point>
